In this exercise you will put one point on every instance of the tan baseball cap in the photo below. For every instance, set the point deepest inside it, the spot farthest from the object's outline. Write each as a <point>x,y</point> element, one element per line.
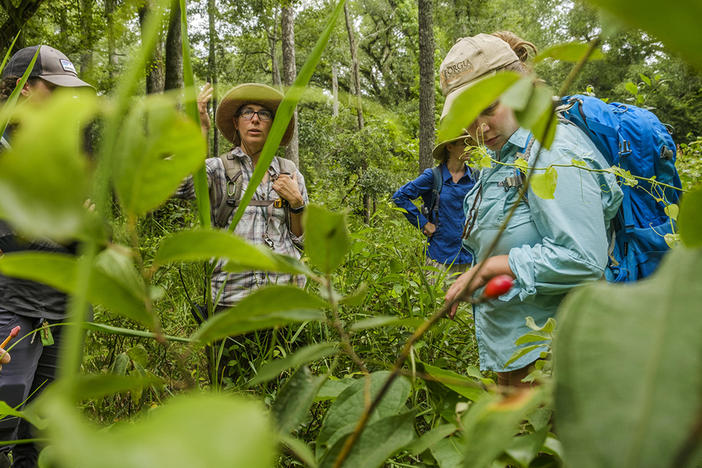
<point>239,95</point>
<point>52,65</point>
<point>470,60</point>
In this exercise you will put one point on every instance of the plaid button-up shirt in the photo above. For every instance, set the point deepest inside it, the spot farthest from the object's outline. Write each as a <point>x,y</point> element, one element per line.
<point>256,225</point>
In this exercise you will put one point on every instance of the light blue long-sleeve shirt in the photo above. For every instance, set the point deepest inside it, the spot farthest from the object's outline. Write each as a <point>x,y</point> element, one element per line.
<point>553,244</point>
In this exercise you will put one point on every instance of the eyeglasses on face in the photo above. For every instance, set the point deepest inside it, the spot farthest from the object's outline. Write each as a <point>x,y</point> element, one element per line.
<point>263,114</point>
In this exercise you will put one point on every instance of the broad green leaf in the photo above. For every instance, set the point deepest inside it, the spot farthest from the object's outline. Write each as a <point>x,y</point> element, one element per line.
<point>357,297</point>
<point>490,424</point>
<point>101,327</point>
<point>526,447</point>
<point>672,211</point>
<point>675,23</point>
<point>285,112</point>
<point>545,128</point>
<point>471,102</point>
<point>375,322</point>
<point>632,88</point>
<point>200,244</point>
<point>524,351</point>
<point>264,308</point>
<point>689,220</point>
<point>540,103</point>
<point>159,147</point>
<point>189,431</point>
<point>569,52</point>
<point>643,340</point>
<point>295,398</point>
<point>44,182</point>
<point>302,356</point>
<point>518,95</point>
<point>97,386</point>
<point>645,79</point>
<point>333,387</point>
<point>532,338</point>
<point>466,387</point>
<point>543,184</point>
<point>326,238</point>
<point>117,263</point>
<point>431,438</point>
<point>378,442</point>
<point>448,452</point>
<point>299,449</point>
<point>6,410</point>
<point>346,410</point>
<point>59,271</point>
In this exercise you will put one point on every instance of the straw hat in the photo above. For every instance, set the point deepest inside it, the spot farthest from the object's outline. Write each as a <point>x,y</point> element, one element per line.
<point>239,95</point>
<point>438,151</point>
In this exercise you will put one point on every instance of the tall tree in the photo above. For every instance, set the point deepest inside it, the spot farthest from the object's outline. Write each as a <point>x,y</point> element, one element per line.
<point>110,25</point>
<point>154,67</point>
<point>87,42</point>
<point>212,69</point>
<point>272,35</point>
<point>426,83</point>
<point>17,17</point>
<point>174,50</point>
<point>335,91</point>
<point>292,152</point>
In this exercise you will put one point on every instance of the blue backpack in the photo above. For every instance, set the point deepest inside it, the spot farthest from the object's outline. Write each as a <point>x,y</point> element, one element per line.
<point>635,140</point>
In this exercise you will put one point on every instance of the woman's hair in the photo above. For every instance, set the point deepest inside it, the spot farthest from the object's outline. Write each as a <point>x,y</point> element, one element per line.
<point>8,84</point>
<point>523,49</point>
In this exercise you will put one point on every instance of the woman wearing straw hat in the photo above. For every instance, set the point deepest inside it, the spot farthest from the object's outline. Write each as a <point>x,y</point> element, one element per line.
<point>549,245</point>
<point>442,220</point>
<point>273,217</point>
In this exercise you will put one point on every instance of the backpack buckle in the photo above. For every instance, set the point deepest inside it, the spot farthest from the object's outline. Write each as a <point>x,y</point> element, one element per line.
<point>279,203</point>
<point>624,148</point>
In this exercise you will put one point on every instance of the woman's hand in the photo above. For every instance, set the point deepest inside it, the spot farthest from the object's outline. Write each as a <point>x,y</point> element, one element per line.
<point>286,186</point>
<point>202,99</point>
<point>466,284</point>
<point>429,229</point>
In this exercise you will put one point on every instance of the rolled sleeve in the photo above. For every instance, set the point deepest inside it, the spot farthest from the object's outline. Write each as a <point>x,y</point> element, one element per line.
<point>421,186</point>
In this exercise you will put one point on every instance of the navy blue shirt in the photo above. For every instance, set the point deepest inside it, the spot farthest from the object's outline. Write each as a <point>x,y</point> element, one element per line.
<point>445,245</point>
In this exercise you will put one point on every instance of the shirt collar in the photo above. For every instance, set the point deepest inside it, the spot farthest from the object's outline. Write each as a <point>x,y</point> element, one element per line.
<point>446,174</point>
<point>518,141</point>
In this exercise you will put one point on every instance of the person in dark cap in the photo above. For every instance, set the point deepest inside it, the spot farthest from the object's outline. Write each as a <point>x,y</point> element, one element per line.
<point>25,303</point>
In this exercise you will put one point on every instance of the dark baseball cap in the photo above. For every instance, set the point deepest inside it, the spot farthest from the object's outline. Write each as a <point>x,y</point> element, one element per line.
<point>51,65</point>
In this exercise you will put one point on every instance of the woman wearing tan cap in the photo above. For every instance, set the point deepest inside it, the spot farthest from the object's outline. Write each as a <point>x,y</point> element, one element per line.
<point>549,245</point>
<point>441,220</point>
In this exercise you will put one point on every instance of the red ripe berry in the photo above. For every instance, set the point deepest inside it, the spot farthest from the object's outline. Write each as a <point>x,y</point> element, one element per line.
<point>497,286</point>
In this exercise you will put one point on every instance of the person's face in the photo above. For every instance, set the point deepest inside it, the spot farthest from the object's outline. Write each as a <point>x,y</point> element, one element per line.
<point>455,149</point>
<point>37,89</point>
<point>253,122</point>
<point>494,126</point>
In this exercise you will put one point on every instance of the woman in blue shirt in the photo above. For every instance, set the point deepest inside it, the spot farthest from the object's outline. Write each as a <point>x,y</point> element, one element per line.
<point>444,233</point>
<point>550,245</point>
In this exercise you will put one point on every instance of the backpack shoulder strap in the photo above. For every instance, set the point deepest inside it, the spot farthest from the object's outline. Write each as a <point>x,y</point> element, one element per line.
<point>232,172</point>
<point>286,166</point>
<point>436,186</point>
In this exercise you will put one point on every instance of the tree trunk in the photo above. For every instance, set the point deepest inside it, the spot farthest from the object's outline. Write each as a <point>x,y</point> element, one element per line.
<point>17,17</point>
<point>110,25</point>
<point>359,107</point>
<point>87,40</point>
<point>335,92</point>
<point>154,67</point>
<point>212,66</point>
<point>174,50</point>
<point>289,72</point>
<point>426,84</point>
<point>272,34</point>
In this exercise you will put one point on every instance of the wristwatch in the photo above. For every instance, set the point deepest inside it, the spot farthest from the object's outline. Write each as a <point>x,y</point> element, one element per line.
<point>298,210</point>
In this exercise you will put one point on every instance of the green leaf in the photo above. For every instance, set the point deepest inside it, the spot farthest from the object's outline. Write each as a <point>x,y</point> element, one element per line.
<point>672,211</point>
<point>540,103</point>
<point>689,220</point>
<point>299,449</point>
<point>357,297</point>
<point>264,308</point>
<point>346,410</point>
<point>518,95</point>
<point>375,322</point>
<point>544,184</point>
<point>8,107</point>
<point>326,238</point>
<point>628,336</point>
<point>524,351</point>
<point>645,79</point>
<point>449,452</point>
<point>6,410</point>
<point>101,327</point>
<point>201,244</point>
<point>526,447</point>
<point>97,386</point>
<point>532,338</point>
<point>44,182</point>
<point>310,353</point>
<point>333,387</point>
<point>378,442</point>
<point>431,438</point>
<point>471,102</point>
<point>674,23</point>
<point>295,398</point>
<point>159,147</point>
<point>189,431</point>
<point>632,88</point>
<point>491,422</point>
<point>545,128</point>
<point>569,52</point>
<point>284,113</point>
<point>466,387</point>
<point>59,271</point>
